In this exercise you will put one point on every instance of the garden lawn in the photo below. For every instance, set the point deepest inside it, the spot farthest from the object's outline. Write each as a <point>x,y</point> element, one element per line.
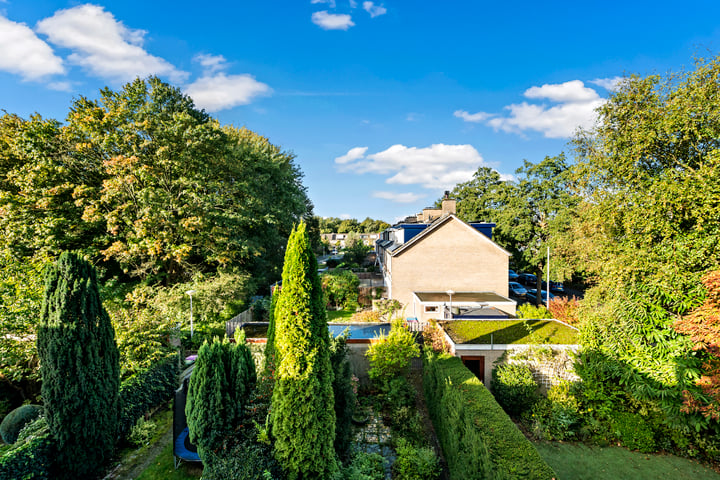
<point>340,315</point>
<point>510,331</point>
<point>580,462</point>
<point>162,468</point>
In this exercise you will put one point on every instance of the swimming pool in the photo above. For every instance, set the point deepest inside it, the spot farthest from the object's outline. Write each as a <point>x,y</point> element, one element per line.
<point>256,332</point>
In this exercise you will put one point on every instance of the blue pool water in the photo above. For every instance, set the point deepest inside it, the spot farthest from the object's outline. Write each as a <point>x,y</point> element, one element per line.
<point>360,332</point>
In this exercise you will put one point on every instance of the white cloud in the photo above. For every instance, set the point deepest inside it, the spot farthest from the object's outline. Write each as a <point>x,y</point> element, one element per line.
<point>25,54</point>
<point>345,216</point>
<point>374,10</point>
<point>219,91</point>
<point>104,45</point>
<point>353,4</point>
<point>330,3</point>
<point>575,107</point>
<point>609,84</point>
<point>407,197</point>
<point>436,166</point>
<point>332,21</point>
<point>472,117</point>
<point>60,86</point>
<point>211,63</point>
<point>414,117</point>
<point>352,155</point>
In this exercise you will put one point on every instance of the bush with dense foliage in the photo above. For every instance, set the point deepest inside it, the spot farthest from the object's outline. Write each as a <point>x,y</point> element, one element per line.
<point>365,466</point>
<point>303,407</point>
<point>147,389</point>
<point>415,463</point>
<point>478,438</point>
<point>514,387</point>
<point>565,309</point>
<point>390,355</point>
<point>530,311</point>
<point>340,288</point>
<point>31,458</point>
<point>16,421</point>
<point>556,416</point>
<point>79,367</point>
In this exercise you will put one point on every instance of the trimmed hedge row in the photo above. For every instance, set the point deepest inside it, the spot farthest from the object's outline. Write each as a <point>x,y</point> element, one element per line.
<point>31,460</point>
<point>478,439</point>
<point>147,389</point>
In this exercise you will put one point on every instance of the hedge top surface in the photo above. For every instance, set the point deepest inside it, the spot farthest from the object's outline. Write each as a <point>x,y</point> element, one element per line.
<point>478,332</point>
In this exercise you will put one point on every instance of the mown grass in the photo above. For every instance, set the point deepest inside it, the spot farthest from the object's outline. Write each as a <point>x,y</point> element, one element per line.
<point>510,332</point>
<point>163,468</point>
<point>580,462</point>
<point>340,315</point>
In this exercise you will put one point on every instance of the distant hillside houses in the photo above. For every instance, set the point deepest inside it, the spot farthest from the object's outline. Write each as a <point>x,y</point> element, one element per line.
<point>338,239</point>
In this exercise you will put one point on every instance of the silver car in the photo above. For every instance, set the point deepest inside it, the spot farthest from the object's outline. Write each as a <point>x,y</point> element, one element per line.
<point>517,290</point>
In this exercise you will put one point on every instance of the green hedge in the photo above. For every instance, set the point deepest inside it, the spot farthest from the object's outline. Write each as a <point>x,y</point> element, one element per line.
<point>147,389</point>
<point>29,460</point>
<point>478,439</point>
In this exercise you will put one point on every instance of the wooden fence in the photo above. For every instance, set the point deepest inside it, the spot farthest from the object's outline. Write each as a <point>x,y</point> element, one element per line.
<point>237,320</point>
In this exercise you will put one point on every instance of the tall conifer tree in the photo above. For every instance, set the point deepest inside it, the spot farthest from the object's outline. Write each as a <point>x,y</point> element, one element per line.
<point>79,367</point>
<point>303,415</point>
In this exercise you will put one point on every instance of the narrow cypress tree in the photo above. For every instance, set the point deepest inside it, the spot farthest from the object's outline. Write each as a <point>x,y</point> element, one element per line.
<point>303,415</point>
<point>79,364</point>
<point>209,402</point>
<point>219,388</point>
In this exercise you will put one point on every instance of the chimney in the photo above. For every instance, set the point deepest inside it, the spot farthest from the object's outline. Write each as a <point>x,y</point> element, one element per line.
<point>449,205</point>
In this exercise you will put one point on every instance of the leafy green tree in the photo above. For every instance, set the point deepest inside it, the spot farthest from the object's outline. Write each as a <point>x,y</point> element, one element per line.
<point>343,392</point>
<point>348,225</point>
<point>535,213</point>
<point>340,288</point>
<point>79,368</point>
<point>302,413</point>
<point>478,199</point>
<point>390,356</point>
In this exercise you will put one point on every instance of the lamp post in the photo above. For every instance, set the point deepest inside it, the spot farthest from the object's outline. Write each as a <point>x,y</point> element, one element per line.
<point>190,294</point>
<point>450,294</point>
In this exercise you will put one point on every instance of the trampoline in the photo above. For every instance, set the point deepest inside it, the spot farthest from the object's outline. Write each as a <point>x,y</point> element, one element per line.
<point>183,449</point>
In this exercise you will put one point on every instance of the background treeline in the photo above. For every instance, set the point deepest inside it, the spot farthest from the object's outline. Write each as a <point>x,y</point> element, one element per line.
<point>338,225</point>
<point>162,199</point>
<point>635,216</point>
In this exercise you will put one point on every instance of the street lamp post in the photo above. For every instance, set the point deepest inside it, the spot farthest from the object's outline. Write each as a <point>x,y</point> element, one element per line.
<point>190,293</point>
<point>450,294</point>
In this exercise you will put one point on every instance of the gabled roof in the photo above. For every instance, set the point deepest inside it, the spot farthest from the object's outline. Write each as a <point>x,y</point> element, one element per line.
<point>435,226</point>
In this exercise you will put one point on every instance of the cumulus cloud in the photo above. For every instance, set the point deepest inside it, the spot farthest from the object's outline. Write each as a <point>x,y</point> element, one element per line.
<point>609,84</point>
<point>330,3</point>
<point>332,21</point>
<point>211,63</point>
<point>472,117</point>
<point>24,54</point>
<point>220,91</point>
<point>407,197</point>
<point>104,45</point>
<point>573,106</point>
<point>353,154</point>
<point>374,10</point>
<point>437,166</point>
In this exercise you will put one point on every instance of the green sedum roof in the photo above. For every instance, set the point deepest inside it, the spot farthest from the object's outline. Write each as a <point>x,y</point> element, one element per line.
<point>478,332</point>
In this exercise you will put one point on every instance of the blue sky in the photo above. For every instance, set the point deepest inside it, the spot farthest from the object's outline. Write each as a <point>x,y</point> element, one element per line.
<point>386,103</point>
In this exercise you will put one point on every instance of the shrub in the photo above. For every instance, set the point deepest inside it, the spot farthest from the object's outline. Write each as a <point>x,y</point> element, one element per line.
<point>415,463</point>
<point>514,387</point>
<point>343,392</point>
<point>478,439</point>
<point>365,466</point>
<point>406,423</point>
<point>36,428</point>
<point>16,420</point>
<point>565,309</point>
<point>556,417</point>
<point>246,460</point>
<point>632,431</point>
<point>30,459</point>
<point>434,338</point>
<point>142,432</point>
<point>399,393</point>
<point>145,390</point>
<point>390,356</point>
<point>530,311</point>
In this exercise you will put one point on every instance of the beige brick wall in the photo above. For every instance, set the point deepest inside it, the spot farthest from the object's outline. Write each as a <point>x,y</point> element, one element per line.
<point>454,257</point>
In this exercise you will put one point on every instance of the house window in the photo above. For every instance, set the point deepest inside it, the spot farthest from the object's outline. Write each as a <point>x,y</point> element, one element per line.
<point>431,308</point>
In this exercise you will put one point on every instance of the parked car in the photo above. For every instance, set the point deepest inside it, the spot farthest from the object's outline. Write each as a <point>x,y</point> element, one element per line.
<point>557,287</point>
<point>527,279</point>
<point>517,290</point>
<point>532,294</point>
<point>512,276</point>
